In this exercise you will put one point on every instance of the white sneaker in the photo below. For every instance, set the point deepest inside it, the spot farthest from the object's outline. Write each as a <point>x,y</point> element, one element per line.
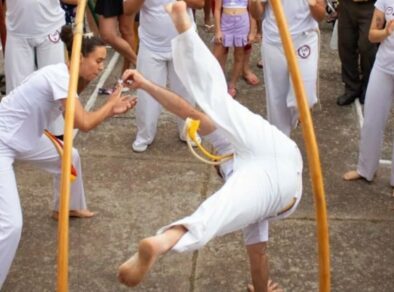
<point>139,147</point>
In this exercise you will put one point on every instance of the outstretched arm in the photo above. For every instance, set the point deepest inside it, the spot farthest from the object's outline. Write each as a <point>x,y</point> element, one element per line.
<point>116,104</point>
<point>169,100</point>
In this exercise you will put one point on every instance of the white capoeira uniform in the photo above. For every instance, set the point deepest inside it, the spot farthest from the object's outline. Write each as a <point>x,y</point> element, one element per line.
<point>267,166</point>
<point>281,100</point>
<point>155,61</point>
<point>378,101</point>
<point>24,114</point>
<point>33,41</point>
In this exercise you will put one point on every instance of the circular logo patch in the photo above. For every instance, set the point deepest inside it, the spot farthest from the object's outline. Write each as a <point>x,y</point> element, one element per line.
<point>54,37</point>
<point>304,51</point>
<point>389,10</point>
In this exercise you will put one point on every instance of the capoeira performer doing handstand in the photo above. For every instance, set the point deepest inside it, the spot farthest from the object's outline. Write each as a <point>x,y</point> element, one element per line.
<point>24,115</point>
<point>267,168</point>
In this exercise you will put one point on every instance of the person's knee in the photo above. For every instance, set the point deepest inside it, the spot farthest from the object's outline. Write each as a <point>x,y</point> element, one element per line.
<point>12,228</point>
<point>107,37</point>
<point>125,29</point>
<point>75,156</point>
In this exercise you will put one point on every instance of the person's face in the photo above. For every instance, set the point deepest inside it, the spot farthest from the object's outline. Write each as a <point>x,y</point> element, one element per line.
<point>93,63</point>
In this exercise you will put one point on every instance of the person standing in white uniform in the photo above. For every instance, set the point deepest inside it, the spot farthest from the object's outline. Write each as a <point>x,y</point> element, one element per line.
<point>33,41</point>
<point>379,95</point>
<point>155,61</point>
<point>24,115</point>
<point>253,193</point>
<point>302,17</point>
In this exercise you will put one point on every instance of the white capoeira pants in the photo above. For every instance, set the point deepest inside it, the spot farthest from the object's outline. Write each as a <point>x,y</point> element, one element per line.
<point>46,157</point>
<point>267,164</point>
<point>281,100</point>
<point>159,68</point>
<point>377,108</point>
<point>21,55</point>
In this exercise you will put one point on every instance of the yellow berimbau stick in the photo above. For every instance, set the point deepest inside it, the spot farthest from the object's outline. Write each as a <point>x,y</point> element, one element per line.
<point>63,238</point>
<point>311,148</point>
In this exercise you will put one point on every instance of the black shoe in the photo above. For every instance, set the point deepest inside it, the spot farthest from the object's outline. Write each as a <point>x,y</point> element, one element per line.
<point>345,100</point>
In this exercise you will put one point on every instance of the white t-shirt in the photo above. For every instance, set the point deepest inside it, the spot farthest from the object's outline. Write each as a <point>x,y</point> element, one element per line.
<point>33,18</point>
<point>298,16</point>
<point>156,28</point>
<point>385,56</point>
<point>29,109</point>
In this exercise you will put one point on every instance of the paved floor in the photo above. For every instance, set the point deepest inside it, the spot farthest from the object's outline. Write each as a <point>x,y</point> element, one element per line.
<point>135,194</point>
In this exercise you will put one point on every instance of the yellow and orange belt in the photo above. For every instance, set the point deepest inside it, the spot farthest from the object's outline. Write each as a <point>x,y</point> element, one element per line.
<point>59,148</point>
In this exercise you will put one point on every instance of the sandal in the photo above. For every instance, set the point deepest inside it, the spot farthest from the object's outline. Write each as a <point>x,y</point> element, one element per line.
<point>251,79</point>
<point>208,27</point>
<point>232,91</point>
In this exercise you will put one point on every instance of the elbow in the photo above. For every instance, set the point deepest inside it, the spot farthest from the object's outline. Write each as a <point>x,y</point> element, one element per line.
<point>371,37</point>
<point>319,16</point>
<point>83,127</point>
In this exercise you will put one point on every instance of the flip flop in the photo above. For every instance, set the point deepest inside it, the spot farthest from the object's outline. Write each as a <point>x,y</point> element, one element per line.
<point>251,79</point>
<point>208,27</point>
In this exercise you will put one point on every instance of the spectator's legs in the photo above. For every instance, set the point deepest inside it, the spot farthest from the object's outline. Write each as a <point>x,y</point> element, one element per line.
<point>18,62</point>
<point>108,31</point>
<point>380,94</point>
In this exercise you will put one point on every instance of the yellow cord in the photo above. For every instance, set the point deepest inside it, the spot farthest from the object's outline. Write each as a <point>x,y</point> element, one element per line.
<point>192,127</point>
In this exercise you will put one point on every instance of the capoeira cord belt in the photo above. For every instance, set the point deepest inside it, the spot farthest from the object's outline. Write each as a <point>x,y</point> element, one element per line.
<point>191,128</point>
<point>59,148</point>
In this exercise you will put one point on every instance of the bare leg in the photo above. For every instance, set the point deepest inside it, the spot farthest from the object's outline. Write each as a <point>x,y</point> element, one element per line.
<point>220,53</point>
<point>207,13</point>
<point>132,272</point>
<point>352,175</point>
<point>237,69</point>
<point>179,16</point>
<point>108,32</point>
<point>247,73</point>
<point>258,261</point>
<point>126,29</point>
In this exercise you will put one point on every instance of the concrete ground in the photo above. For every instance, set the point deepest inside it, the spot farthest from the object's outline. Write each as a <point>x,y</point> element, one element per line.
<point>135,194</point>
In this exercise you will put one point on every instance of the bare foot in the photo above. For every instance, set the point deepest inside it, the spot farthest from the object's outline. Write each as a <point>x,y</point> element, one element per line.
<point>179,16</point>
<point>82,213</point>
<point>132,272</point>
<point>352,175</point>
<point>271,287</point>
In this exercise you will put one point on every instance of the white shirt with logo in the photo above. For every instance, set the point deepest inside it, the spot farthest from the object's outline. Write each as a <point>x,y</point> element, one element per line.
<point>33,18</point>
<point>31,107</point>
<point>385,55</point>
<point>298,16</point>
<point>156,28</point>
